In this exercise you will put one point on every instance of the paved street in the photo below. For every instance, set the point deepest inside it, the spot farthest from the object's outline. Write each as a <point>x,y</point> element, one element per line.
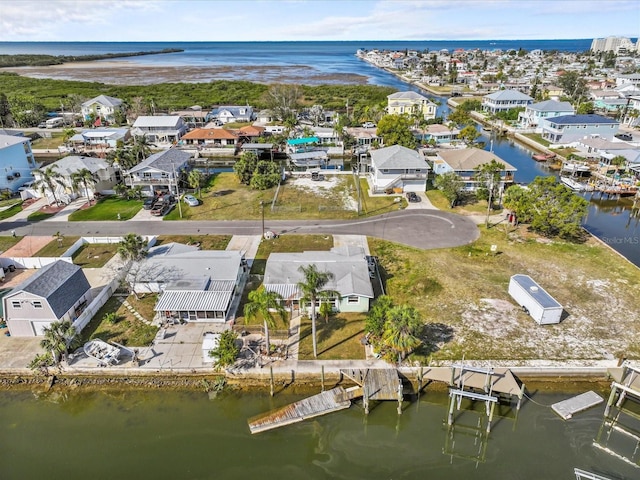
<point>420,228</point>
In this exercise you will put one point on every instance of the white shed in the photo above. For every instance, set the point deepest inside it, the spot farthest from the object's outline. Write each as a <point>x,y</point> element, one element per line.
<point>534,300</point>
<point>210,342</point>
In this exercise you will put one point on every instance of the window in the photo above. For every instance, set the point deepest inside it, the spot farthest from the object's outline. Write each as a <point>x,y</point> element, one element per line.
<point>37,304</point>
<point>353,299</point>
<point>15,304</point>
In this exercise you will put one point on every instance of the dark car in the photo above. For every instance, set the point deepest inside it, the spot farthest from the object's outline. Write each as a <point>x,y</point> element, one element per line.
<point>627,137</point>
<point>148,203</point>
<point>413,197</point>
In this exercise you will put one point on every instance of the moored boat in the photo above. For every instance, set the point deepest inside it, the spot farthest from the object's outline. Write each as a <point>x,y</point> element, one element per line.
<point>573,185</point>
<point>102,351</point>
<point>543,157</point>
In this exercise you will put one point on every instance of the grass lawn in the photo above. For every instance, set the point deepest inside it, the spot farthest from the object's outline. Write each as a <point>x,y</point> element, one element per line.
<point>466,208</point>
<point>338,339</point>
<point>462,296</point>
<point>56,248</point>
<point>38,216</point>
<point>289,243</point>
<point>207,242</point>
<point>128,330</point>
<point>94,255</point>
<point>108,209</point>
<point>48,143</point>
<point>7,242</point>
<point>16,207</point>
<point>379,204</point>
<point>536,137</point>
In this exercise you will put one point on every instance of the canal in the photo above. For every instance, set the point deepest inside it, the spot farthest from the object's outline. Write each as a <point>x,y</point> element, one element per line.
<point>185,435</point>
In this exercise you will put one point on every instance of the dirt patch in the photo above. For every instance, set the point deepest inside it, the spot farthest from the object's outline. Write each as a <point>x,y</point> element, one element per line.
<point>324,187</point>
<point>27,246</point>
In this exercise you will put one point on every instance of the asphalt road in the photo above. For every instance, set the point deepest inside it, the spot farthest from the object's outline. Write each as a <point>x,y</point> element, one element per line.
<point>424,229</point>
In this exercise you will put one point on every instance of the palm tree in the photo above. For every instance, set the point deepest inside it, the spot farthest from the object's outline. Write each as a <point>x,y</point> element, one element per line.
<point>264,302</point>
<point>58,337</point>
<point>312,288</point>
<point>85,178</point>
<point>132,247</point>
<point>141,148</point>
<point>49,179</point>
<point>401,330</point>
<point>195,179</point>
<point>121,189</point>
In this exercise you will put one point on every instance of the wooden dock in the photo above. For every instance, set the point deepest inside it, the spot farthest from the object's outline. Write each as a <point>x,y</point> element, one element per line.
<point>378,383</point>
<point>326,402</point>
<point>567,408</point>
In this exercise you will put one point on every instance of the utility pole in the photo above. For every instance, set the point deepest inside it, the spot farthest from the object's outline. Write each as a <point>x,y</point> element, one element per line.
<point>486,223</point>
<point>175,178</point>
<point>262,215</point>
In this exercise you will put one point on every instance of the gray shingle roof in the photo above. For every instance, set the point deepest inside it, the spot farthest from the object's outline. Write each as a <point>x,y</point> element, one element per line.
<point>164,161</point>
<point>397,156</point>
<point>506,95</point>
<point>410,95</point>
<point>73,163</point>
<point>11,140</point>
<point>590,118</point>
<point>551,106</point>
<point>103,100</point>
<point>466,159</point>
<point>60,283</point>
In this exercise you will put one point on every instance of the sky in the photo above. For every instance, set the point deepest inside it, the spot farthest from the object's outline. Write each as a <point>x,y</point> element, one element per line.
<point>321,20</point>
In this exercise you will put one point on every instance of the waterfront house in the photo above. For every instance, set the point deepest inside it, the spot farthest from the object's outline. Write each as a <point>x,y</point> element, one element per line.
<point>193,117</point>
<point>504,100</point>
<point>99,138</point>
<point>347,265</point>
<point>397,167</point>
<point>16,162</point>
<point>250,133</point>
<point>58,291</point>
<point>570,128</point>
<point>103,107</point>
<point>365,138</point>
<point>159,172</point>
<point>464,163</point>
<point>440,134</point>
<point>411,103</point>
<point>160,129</point>
<point>533,113</point>
<point>105,177</point>
<point>210,137</point>
<point>231,113</point>
<point>194,285</point>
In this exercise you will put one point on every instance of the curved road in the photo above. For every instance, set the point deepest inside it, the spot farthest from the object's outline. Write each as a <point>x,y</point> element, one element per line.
<point>424,229</point>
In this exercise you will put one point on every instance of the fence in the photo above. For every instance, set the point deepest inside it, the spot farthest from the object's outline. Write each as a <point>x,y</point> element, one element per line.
<point>259,330</point>
<point>85,317</point>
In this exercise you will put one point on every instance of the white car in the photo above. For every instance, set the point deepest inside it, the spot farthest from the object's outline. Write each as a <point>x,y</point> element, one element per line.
<point>191,200</point>
<point>368,125</point>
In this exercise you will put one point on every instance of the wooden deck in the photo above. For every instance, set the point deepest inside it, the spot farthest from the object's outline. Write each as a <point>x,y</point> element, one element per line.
<point>502,380</point>
<point>320,404</point>
<point>378,383</point>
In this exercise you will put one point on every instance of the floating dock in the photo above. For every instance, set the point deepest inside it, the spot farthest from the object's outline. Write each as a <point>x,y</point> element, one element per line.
<point>567,408</point>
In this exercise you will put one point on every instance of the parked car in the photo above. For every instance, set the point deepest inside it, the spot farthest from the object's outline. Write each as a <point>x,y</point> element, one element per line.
<point>148,203</point>
<point>161,210</point>
<point>627,137</point>
<point>191,200</point>
<point>413,197</point>
<point>368,125</point>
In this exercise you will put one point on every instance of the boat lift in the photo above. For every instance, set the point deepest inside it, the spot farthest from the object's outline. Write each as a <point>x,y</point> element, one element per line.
<point>456,395</point>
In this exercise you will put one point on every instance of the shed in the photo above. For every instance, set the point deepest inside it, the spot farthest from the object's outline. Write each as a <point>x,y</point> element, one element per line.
<point>535,300</point>
<point>210,342</point>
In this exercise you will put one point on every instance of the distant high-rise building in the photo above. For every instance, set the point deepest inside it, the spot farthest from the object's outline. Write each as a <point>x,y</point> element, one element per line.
<point>613,44</point>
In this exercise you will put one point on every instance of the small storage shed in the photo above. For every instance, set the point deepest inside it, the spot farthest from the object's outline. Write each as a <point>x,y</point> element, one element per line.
<point>534,300</point>
<point>210,342</point>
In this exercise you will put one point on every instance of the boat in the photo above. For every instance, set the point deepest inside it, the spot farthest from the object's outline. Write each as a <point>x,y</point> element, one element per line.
<point>576,168</point>
<point>573,185</point>
<point>105,353</point>
<point>543,157</point>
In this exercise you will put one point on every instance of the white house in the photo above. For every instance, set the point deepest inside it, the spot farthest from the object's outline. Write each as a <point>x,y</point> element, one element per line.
<point>504,100</point>
<point>102,136</point>
<point>159,172</point>
<point>230,113</point>
<point>160,129</point>
<point>569,128</point>
<point>397,167</point>
<point>194,285</point>
<point>102,107</point>
<point>411,103</point>
<point>437,133</point>
<point>105,177</point>
<point>58,291</point>
<point>464,163</point>
<point>16,162</point>
<point>347,265</point>
<point>535,112</point>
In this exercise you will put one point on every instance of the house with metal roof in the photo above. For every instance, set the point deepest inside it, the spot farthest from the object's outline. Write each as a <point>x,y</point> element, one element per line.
<point>436,133</point>
<point>533,113</point>
<point>232,113</point>
<point>347,265</point>
<point>570,128</point>
<point>103,107</point>
<point>17,161</point>
<point>504,100</point>
<point>464,162</point>
<point>160,129</point>
<point>105,137</point>
<point>105,176</point>
<point>58,291</point>
<point>397,167</point>
<point>194,285</point>
<point>159,172</point>
<point>411,103</point>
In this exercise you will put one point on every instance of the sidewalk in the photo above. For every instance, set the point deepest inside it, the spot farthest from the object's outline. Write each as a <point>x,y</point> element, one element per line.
<point>34,207</point>
<point>63,215</point>
<point>248,244</point>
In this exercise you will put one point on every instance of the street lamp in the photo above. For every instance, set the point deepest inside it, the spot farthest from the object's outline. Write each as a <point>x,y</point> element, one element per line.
<point>262,214</point>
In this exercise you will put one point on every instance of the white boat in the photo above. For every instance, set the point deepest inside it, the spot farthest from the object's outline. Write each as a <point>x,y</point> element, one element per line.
<point>102,351</point>
<point>575,167</point>
<point>573,185</point>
